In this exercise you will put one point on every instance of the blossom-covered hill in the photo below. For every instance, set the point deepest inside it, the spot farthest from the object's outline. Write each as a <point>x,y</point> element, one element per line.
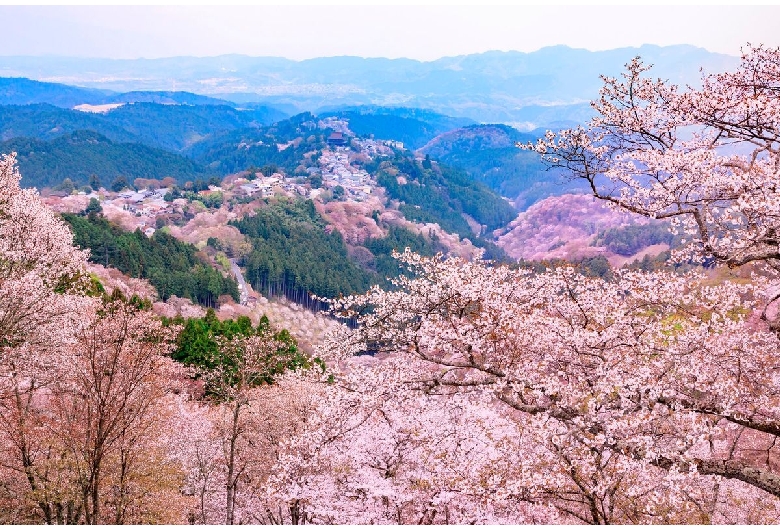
<point>566,227</point>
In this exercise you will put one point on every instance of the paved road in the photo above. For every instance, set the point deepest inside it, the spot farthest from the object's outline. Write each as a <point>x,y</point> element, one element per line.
<point>242,287</point>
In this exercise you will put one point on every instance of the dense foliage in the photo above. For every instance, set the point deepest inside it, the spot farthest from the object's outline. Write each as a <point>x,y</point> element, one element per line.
<point>628,240</point>
<point>198,344</point>
<point>293,254</point>
<point>441,195</point>
<point>171,266</point>
<point>83,153</point>
<point>397,240</point>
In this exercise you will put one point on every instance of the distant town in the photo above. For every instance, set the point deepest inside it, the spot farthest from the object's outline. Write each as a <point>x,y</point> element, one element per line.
<point>334,176</point>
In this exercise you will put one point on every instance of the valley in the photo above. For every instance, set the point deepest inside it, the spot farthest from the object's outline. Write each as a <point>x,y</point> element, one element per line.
<point>345,200</point>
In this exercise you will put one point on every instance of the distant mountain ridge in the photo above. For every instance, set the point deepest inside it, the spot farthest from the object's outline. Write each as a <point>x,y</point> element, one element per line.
<point>24,91</point>
<point>172,127</point>
<point>487,87</point>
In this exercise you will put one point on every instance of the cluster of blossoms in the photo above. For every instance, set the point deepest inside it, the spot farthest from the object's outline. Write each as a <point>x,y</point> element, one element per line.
<point>646,398</point>
<point>550,397</point>
<point>706,157</point>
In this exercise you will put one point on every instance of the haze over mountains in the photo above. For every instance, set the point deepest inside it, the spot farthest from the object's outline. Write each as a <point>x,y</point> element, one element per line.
<point>527,90</point>
<point>432,143</point>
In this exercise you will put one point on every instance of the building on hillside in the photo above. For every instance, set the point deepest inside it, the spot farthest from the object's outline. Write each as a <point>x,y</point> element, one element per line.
<point>395,144</point>
<point>337,138</point>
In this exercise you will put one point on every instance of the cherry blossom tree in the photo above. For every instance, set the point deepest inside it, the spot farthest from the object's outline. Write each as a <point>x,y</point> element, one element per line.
<point>707,158</point>
<point>249,418</point>
<point>111,402</point>
<point>83,382</point>
<point>41,281</point>
<point>649,398</point>
<point>88,436</point>
<point>40,270</point>
<point>372,453</point>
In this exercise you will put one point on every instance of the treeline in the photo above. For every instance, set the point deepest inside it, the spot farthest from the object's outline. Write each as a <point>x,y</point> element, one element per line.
<point>397,239</point>
<point>170,265</point>
<point>295,256</point>
<point>77,156</point>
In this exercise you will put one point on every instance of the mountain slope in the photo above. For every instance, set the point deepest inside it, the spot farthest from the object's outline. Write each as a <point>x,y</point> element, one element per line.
<point>45,122</point>
<point>487,153</point>
<point>79,154</point>
<point>22,91</point>
<point>164,97</point>
<point>171,127</point>
<point>175,127</point>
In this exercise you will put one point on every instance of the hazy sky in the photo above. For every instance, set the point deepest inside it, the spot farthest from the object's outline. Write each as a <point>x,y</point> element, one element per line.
<point>418,32</point>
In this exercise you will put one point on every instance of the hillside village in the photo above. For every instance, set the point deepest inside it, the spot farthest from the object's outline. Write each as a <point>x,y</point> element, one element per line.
<point>336,175</point>
<point>340,179</point>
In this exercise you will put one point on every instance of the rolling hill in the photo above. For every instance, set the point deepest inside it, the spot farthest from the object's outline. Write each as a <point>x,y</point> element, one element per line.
<point>79,154</point>
<point>487,153</point>
<point>171,127</point>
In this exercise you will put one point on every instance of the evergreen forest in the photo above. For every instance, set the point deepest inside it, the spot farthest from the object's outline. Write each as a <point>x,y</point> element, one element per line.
<point>171,266</point>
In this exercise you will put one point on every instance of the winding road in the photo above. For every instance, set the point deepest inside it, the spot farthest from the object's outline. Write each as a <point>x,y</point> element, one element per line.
<point>242,287</point>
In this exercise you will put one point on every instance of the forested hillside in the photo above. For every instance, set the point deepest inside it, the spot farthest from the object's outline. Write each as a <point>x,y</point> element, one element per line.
<point>220,140</point>
<point>292,254</point>
<point>46,122</point>
<point>397,240</point>
<point>175,127</point>
<point>78,155</point>
<point>23,91</point>
<point>171,266</point>
<point>164,126</point>
<point>237,150</point>
<point>487,153</point>
<point>295,254</point>
<point>441,194</point>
